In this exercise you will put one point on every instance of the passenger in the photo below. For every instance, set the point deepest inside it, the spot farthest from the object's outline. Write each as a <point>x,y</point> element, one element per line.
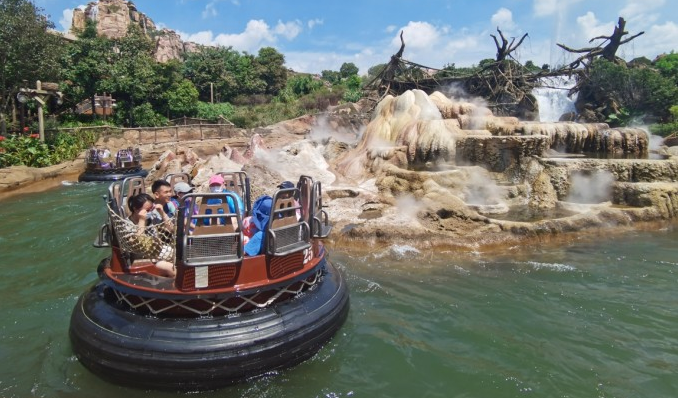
<point>261,212</point>
<point>216,184</point>
<point>162,190</point>
<point>181,189</point>
<point>146,213</point>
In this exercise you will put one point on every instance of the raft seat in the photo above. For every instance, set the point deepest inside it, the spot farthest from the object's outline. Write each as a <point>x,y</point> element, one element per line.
<point>213,250</point>
<point>286,233</point>
<point>175,178</point>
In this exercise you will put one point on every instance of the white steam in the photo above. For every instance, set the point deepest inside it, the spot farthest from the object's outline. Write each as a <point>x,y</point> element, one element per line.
<point>590,188</point>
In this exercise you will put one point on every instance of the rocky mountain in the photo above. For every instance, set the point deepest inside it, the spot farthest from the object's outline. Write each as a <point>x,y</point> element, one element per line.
<point>113,18</point>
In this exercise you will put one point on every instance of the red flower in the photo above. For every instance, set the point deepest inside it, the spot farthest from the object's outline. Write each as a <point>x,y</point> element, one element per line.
<point>26,129</point>
<point>2,137</point>
<point>34,135</point>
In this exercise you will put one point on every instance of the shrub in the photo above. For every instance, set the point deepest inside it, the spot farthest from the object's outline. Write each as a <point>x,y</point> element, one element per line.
<point>145,116</point>
<point>24,150</point>
<point>212,112</point>
<point>28,150</point>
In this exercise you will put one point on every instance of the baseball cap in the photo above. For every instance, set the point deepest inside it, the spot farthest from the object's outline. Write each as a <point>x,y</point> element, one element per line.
<point>286,185</point>
<point>182,187</point>
<point>216,179</point>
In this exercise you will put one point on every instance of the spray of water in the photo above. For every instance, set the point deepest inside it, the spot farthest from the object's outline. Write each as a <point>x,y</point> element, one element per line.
<point>480,189</point>
<point>593,187</point>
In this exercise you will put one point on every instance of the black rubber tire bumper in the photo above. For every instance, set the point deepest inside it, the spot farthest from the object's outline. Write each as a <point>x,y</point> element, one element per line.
<point>204,353</point>
<point>111,176</point>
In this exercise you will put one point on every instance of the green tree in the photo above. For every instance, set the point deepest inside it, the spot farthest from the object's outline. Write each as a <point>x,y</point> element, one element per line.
<point>212,71</point>
<point>667,65</point>
<point>638,90</point>
<point>131,76</point>
<point>182,99</point>
<point>247,76</point>
<point>28,51</point>
<point>374,71</point>
<point>86,64</point>
<point>348,69</point>
<point>330,76</point>
<point>272,70</point>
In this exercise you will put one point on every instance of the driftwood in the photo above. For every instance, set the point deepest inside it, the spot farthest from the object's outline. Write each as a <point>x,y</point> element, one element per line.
<point>505,83</point>
<point>609,51</point>
<point>504,51</point>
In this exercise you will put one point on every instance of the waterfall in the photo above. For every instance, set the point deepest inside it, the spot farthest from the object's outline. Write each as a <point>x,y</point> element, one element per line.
<point>552,98</point>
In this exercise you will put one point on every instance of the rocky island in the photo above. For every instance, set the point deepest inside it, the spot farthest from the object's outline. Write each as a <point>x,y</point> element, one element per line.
<point>432,171</point>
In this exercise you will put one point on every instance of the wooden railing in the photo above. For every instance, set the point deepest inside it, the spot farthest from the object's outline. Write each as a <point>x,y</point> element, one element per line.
<point>158,135</point>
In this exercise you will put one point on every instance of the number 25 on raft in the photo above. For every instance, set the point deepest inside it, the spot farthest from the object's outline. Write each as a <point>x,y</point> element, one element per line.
<point>308,255</point>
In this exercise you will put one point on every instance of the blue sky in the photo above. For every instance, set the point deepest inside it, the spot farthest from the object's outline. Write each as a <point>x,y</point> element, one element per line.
<point>315,35</point>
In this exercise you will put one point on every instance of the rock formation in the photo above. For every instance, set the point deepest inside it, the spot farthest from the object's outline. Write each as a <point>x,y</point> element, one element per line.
<point>168,46</point>
<point>113,18</point>
<point>414,176</point>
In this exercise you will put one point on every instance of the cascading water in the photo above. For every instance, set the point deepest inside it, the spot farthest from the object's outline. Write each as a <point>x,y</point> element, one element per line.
<point>552,98</point>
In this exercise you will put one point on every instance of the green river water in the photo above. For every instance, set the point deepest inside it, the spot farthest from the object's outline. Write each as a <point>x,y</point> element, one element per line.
<point>585,319</point>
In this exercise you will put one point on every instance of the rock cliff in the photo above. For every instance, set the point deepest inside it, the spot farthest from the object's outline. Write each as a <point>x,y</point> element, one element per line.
<point>113,19</point>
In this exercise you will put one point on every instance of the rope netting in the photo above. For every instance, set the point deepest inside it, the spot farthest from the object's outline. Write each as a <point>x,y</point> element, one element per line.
<point>155,242</point>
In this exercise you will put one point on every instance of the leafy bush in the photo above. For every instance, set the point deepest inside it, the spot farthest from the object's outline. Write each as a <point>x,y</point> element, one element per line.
<point>145,116</point>
<point>182,99</point>
<point>28,150</point>
<point>352,95</point>
<point>265,115</point>
<point>24,150</point>
<point>639,90</point>
<point>320,100</point>
<point>67,146</point>
<point>212,112</point>
<point>664,129</point>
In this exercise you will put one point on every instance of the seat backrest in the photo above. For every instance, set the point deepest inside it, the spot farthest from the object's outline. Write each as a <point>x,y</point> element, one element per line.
<point>92,156</point>
<point>284,209</point>
<point>305,186</point>
<point>232,183</point>
<point>286,232</point>
<point>238,182</point>
<point>209,242</point>
<point>319,220</point>
<point>130,186</point>
<point>137,155</point>
<point>115,198</point>
<point>213,218</point>
<point>124,157</point>
<point>178,177</point>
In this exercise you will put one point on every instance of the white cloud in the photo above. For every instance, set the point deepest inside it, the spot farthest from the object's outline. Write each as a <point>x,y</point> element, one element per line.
<point>545,8</point>
<point>418,35</point>
<point>657,40</point>
<point>390,28</point>
<point>209,11</point>
<point>503,19</point>
<point>288,29</point>
<point>205,37</point>
<point>313,22</point>
<point>635,7</point>
<point>589,27</point>
<point>257,33</point>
